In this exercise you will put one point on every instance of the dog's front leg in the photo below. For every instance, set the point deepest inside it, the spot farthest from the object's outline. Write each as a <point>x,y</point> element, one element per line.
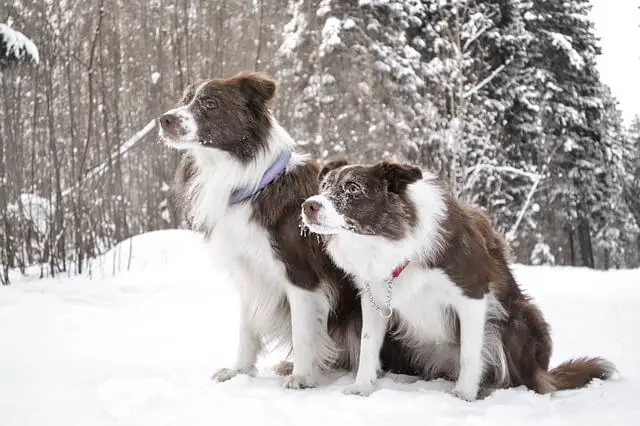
<point>307,330</point>
<point>249,346</point>
<point>472,314</point>
<point>374,327</point>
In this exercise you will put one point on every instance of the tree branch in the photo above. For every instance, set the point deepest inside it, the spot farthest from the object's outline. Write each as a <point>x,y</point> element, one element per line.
<point>121,152</point>
<point>485,81</point>
<point>511,235</point>
<point>506,170</point>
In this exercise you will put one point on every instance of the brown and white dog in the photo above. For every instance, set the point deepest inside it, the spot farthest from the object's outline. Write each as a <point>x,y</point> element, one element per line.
<point>241,183</point>
<point>436,271</point>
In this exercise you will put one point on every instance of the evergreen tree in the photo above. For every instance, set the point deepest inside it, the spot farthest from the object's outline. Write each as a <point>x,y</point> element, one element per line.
<point>572,112</point>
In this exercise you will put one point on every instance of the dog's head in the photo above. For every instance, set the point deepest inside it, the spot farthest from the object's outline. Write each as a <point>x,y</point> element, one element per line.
<point>230,114</point>
<point>366,200</point>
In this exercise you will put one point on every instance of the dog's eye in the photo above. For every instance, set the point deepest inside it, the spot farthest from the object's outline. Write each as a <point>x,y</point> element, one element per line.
<point>210,103</point>
<point>352,188</point>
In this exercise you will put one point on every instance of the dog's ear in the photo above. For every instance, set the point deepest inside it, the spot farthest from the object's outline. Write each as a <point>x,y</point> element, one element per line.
<point>398,176</point>
<point>331,165</point>
<point>256,86</point>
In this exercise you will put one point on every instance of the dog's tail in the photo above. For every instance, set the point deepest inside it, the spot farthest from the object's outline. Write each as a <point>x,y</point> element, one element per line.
<point>574,374</point>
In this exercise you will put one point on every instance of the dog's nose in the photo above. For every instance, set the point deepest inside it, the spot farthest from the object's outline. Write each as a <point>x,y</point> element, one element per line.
<point>168,121</point>
<point>311,208</point>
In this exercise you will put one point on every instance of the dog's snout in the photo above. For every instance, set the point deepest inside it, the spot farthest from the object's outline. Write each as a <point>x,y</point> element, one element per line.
<point>168,120</point>
<point>311,208</point>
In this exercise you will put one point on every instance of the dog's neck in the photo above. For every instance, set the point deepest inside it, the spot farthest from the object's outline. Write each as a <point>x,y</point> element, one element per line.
<point>373,257</point>
<point>218,175</point>
<point>272,173</point>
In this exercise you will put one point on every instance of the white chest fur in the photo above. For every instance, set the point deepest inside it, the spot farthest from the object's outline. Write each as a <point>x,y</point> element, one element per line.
<point>243,248</point>
<point>420,298</point>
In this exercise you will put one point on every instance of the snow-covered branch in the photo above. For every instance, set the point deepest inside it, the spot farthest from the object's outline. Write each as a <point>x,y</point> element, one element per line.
<point>120,152</point>
<point>511,235</point>
<point>15,46</point>
<point>475,36</point>
<point>485,81</point>
<point>504,170</point>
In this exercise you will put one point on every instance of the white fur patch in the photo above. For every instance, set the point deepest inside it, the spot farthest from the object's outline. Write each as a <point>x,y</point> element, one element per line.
<point>329,221</point>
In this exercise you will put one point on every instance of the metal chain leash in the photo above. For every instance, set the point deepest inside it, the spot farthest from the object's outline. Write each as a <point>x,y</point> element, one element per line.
<point>385,311</point>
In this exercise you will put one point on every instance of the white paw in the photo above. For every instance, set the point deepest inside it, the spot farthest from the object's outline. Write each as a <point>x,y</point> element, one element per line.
<point>296,381</point>
<point>358,389</point>
<point>225,374</point>
<point>468,394</point>
<point>283,368</point>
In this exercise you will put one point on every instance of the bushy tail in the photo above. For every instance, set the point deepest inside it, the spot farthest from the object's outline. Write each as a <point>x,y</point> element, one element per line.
<point>574,374</point>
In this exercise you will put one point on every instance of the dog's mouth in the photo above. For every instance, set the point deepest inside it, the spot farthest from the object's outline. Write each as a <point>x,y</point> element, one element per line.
<point>177,140</point>
<point>317,226</point>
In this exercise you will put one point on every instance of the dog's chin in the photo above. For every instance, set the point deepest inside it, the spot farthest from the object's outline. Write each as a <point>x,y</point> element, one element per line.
<point>180,144</point>
<point>323,229</point>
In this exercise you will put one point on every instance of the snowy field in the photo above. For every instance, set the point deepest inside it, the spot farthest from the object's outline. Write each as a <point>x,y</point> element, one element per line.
<point>135,341</point>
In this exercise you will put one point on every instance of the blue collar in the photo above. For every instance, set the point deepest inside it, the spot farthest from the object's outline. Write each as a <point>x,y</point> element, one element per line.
<point>269,176</point>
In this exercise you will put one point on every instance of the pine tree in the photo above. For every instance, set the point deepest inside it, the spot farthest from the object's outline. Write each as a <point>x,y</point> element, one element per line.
<point>575,139</point>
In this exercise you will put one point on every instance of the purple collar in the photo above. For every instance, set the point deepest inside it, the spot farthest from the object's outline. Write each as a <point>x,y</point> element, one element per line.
<point>269,176</point>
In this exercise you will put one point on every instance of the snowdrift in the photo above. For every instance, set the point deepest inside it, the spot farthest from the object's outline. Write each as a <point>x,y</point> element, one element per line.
<point>135,340</point>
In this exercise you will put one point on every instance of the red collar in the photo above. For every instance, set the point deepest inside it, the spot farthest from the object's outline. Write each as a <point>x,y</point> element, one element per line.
<point>399,269</point>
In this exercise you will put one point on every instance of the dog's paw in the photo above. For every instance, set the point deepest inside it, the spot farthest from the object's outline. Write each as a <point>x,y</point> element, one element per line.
<point>284,368</point>
<point>465,394</point>
<point>298,382</point>
<point>359,390</point>
<point>225,374</point>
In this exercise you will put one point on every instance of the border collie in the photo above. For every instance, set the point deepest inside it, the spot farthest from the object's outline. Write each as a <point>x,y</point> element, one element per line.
<point>434,269</point>
<point>241,183</point>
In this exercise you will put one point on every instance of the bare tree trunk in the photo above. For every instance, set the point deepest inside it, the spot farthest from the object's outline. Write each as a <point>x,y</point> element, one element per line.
<point>258,63</point>
<point>584,239</point>
<point>56,245</point>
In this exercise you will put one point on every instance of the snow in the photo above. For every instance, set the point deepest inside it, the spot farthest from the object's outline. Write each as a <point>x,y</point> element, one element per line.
<point>294,30</point>
<point>155,76</point>
<point>38,210</point>
<point>323,8</point>
<point>330,35</point>
<point>563,43</point>
<point>34,209</point>
<point>134,342</point>
<point>18,44</point>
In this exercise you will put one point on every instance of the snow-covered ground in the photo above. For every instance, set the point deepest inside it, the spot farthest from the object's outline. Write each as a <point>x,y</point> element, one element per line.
<point>135,341</point>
